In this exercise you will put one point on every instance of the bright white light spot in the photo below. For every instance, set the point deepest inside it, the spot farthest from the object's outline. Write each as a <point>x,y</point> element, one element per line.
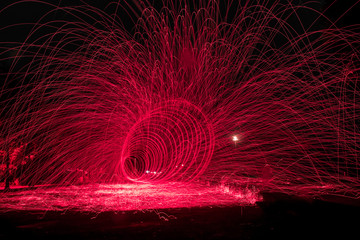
<point>147,171</point>
<point>235,138</point>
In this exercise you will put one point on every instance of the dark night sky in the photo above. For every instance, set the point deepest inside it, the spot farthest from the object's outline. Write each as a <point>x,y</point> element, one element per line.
<point>31,12</point>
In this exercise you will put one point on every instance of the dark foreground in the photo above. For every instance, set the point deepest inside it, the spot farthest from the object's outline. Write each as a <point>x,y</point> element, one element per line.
<point>277,217</point>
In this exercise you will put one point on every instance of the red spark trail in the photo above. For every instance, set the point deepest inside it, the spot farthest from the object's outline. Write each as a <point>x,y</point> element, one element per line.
<point>193,92</point>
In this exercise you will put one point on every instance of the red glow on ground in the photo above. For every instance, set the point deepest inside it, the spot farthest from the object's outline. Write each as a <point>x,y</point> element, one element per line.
<point>125,197</point>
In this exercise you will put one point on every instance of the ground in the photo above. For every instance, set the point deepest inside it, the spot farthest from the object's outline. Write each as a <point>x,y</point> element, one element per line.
<point>276,216</point>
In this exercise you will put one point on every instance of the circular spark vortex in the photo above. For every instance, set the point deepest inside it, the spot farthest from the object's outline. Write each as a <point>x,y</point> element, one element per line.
<point>172,142</point>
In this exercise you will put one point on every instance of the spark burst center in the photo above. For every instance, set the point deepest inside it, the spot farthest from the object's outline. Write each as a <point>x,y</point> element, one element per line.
<point>173,142</point>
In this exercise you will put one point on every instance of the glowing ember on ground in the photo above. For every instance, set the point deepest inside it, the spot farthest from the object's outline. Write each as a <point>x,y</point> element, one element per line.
<point>124,197</point>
